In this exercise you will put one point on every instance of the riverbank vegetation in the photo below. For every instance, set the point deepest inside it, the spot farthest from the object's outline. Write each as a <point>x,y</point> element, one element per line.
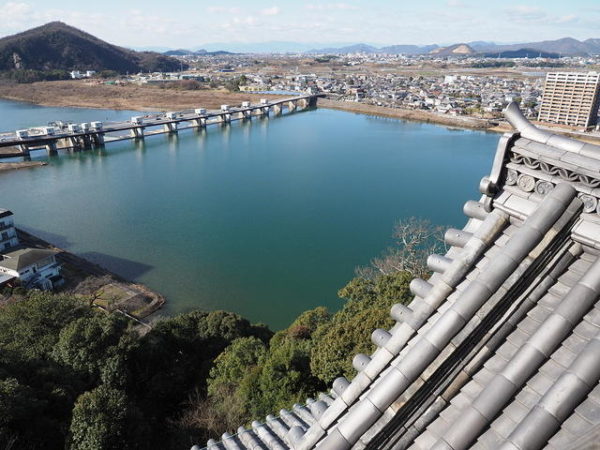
<point>97,94</point>
<point>74,377</point>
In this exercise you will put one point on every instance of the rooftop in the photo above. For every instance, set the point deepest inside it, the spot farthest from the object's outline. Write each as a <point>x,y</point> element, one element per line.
<point>5,213</point>
<point>21,257</point>
<point>499,348</point>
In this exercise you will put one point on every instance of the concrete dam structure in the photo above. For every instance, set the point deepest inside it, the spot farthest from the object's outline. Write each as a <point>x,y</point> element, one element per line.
<point>500,347</point>
<point>94,134</point>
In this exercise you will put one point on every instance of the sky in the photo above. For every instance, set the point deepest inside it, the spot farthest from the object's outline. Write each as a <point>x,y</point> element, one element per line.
<point>190,23</point>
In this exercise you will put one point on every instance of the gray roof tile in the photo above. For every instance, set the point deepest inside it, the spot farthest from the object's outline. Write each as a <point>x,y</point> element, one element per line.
<point>539,359</point>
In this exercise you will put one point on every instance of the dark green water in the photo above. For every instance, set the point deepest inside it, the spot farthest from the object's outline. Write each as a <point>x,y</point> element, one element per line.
<point>265,218</point>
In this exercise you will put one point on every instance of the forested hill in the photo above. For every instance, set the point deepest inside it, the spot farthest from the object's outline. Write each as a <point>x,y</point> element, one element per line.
<point>58,46</point>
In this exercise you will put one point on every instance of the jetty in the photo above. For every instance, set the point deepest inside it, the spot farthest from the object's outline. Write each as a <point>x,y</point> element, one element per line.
<point>60,135</point>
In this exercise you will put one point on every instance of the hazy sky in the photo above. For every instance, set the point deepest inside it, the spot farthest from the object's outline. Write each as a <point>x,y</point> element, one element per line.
<point>189,23</point>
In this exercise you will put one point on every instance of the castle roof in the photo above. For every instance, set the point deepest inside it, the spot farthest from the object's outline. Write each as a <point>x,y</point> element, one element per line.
<point>500,348</point>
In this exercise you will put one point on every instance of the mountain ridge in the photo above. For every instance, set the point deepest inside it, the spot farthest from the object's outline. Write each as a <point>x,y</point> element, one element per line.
<point>564,46</point>
<point>58,46</point>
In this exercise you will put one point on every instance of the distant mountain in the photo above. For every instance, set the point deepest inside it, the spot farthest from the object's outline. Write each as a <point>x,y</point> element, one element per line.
<point>564,47</point>
<point>370,49</point>
<point>593,45</point>
<point>407,49</point>
<point>183,52</point>
<point>268,47</point>
<point>521,53</point>
<point>59,46</point>
<point>179,52</point>
<point>481,45</point>
<point>355,48</point>
<point>453,50</point>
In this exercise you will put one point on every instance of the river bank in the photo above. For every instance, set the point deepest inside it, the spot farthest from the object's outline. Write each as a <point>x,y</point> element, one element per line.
<point>450,121</point>
<point>21,165</point>
<point>83,94</point>
<point>416,115</point>
<point>86,94</point>
<point>104,288</point>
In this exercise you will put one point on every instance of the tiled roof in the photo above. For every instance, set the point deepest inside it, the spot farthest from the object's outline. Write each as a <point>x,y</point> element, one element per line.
<point>500,348</point>
<point>21,257</point>
<point>5,213</point>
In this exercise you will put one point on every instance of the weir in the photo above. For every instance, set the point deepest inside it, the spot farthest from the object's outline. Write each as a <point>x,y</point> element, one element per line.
<point>96,134</point>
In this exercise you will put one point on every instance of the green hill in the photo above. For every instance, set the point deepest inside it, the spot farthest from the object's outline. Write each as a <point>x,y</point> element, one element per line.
<point>58,46</point>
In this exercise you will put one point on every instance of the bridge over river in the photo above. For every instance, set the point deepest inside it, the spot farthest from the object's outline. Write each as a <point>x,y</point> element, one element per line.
<point>93,134</point>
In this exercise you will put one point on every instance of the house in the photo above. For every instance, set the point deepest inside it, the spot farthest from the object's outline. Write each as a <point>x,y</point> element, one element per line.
<point>33,267</point>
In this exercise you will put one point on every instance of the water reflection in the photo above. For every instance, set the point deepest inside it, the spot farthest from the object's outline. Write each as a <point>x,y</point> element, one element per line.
<point>267,217</point>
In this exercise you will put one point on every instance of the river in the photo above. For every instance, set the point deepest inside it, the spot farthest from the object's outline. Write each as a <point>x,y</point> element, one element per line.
<point>266,218</point>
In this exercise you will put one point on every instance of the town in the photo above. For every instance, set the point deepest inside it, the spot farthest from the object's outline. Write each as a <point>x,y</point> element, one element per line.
<point>471,86</point>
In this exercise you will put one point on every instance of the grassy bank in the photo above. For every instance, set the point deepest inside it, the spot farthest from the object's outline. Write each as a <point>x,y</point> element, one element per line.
<point>134,97</point>
<point>414,115</point>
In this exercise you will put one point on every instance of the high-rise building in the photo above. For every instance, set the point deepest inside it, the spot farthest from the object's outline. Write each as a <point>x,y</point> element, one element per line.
<point>571,98</point>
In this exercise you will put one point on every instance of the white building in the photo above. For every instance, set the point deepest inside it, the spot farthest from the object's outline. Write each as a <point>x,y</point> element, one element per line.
<point>8,234</point>
<point>32,267</point>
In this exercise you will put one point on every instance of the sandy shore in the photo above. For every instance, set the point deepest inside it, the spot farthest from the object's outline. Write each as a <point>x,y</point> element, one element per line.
<point>133,97</point>
<point>21,165</point>
<point>415,115</point>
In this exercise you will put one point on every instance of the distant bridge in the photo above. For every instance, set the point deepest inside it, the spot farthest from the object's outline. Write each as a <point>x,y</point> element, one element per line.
<point>94,134</point>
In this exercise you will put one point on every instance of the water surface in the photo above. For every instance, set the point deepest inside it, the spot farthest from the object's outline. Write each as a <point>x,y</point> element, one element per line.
<point>266,218</point>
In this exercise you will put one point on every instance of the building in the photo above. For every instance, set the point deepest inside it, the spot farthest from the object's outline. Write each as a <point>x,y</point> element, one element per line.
<point>31,267</point>
<point>499,347</point>
<point>571,98</point>
<point>8,234</point>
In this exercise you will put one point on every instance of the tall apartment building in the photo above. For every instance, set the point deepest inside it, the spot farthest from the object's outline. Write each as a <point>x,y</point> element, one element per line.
<point>571,98</point>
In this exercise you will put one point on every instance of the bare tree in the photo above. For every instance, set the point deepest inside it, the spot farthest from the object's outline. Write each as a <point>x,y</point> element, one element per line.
<point>415,239</point>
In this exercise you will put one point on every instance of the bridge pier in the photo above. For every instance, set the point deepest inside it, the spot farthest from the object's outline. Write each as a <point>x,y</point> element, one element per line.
<point>85,140</point>
<point>21,136</point>
<point>292,105</point>
<point>277,109</point>
<point>138,131</point>
<point>225,118</point>
<point>246,113</point>
<point>200,121</point>
<point>51,148</point>
<point>171,127</point>
<point>264,110</point>
<point>97,139</point>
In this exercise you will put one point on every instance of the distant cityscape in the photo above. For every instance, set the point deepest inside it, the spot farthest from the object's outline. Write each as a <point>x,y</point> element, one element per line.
<point>472,86</point>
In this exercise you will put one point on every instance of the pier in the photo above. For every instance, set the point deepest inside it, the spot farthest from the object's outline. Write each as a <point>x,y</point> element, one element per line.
<point>95,134</point>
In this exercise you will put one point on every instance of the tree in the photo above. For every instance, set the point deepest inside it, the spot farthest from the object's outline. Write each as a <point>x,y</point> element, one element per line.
<point>19,409</point>
<point>100,420</point>
<point>94,346</point>
<point>368,307</point>
<point>415,239</point>
<point>230,379</point>
<point>31,327</point>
